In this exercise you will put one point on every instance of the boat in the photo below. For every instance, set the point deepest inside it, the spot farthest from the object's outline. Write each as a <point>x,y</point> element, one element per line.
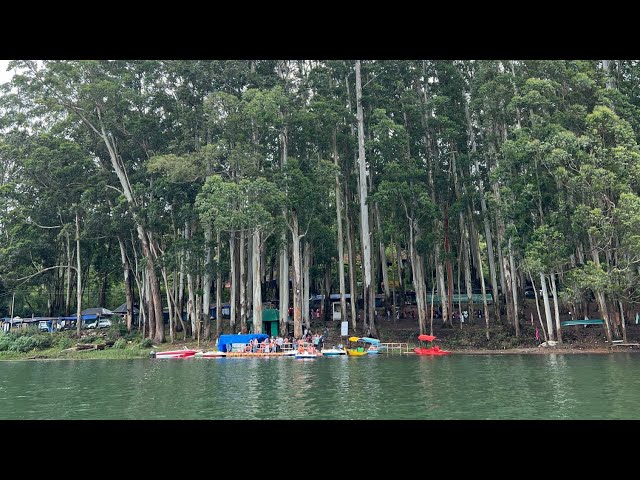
<point>359,349</point>
<point>306,354</point>
<point>184,353</point>
<point>334,352</point>
<point>212,354</point>
<point>374,343</point>
<point>433,350</point>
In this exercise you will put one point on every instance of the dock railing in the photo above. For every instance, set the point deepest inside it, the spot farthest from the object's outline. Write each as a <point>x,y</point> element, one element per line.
<point>394,348</point>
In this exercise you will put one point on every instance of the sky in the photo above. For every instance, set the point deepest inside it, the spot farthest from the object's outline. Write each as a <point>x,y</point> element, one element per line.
<point>4,75</point>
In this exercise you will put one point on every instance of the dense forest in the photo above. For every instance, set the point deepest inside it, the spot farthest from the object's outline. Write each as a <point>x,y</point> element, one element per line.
<point>176,185</point>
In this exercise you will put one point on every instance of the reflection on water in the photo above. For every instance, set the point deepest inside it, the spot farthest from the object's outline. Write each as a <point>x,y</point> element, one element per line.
<point>454,387</point>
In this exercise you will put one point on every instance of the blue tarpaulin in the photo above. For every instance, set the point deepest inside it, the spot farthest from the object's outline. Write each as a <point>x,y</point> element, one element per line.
<point>225,340</point>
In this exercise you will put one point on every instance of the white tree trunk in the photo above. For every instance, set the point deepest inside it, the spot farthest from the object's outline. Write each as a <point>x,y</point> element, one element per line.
<point>218,287</point>
<point>306,264</point>
<point>257,286</point>
<point>362,169</point>
<point>514,290</point>
<point>556,310</point>
<point>442,289</point>
<point>232,273</point>
<point>250,276</point>
<point>418,280</point>
<point>67,302</point>
<point>340,240</point>
<point>547,307</point>
<point>535,293</point>
<point>78,279</point>
<point>297,278</point>
<point>353,291</point>
<point>283,279</point>
<point>243,284</point>
<point>207,281</point>
<point>383,259</point>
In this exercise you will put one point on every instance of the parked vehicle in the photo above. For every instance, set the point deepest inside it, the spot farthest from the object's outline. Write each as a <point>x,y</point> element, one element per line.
<point>43,326</point>
<point>89,324</point>
<point>104,323</point>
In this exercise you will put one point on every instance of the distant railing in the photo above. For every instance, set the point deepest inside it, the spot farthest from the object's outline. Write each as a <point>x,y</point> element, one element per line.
<point>394,348</point>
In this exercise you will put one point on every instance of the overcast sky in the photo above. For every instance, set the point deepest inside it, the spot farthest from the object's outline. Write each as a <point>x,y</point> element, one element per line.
<point>4,75</point>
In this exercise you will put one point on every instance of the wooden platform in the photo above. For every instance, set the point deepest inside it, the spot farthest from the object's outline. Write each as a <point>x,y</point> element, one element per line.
<point>619,343</point>
<point>251,354</point>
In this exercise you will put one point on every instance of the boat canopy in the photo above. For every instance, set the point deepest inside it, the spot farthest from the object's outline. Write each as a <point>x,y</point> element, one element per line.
<point>373,341</point>
<point>426,338</point>
<point>354,339</point>
<point>593,321</point>
<point>225,340</point>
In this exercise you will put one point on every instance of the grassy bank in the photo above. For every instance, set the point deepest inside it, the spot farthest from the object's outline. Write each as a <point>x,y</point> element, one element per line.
<point>113,343</point>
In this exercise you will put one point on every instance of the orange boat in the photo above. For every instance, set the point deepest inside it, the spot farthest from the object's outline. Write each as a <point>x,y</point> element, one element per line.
<point>433,350</point>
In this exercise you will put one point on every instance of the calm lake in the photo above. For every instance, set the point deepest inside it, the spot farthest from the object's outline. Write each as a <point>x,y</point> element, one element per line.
<point>454,387</point>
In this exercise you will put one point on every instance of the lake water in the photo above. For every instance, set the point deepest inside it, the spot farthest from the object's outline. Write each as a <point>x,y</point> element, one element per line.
<point>453,387</point>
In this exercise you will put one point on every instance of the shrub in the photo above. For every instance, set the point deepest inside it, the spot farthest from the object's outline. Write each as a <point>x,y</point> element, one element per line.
<point>42,341</point>
<point>65,342</point>
<point>23,344</point>
<point>120,344</point>
<point>6,340</point>
<point>146,343</point>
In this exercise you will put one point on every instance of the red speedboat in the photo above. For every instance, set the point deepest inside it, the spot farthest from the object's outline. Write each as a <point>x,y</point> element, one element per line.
<point>435,350</point>
<point>186,353</point>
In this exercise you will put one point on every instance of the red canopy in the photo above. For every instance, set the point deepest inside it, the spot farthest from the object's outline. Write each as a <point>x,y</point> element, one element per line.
<point>426,338</point>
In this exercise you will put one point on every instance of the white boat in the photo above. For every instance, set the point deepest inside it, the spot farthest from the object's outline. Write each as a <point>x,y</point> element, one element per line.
<point>333,352</point>
<point>185,353</point>
<point>306,354</point>
<point>212,354</point>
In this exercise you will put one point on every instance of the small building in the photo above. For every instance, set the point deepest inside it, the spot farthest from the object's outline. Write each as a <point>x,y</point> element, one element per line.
<point>270,322</point>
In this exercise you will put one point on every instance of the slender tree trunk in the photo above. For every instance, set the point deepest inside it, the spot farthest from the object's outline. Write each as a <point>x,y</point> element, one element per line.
<point>234,284</point>
<point>283,279</point>
<point>535,293</point>
<point>383,259</point>
<point>243,284</point>
<point>340,240</point>
<point>442,290</point>
<point>622,322</point>
<point>447,251</point>
<point>126,269</point>
<point>485,217</point>
<point>554,292</point>
<point>353,292</point>
<point>514,290</point>
<point>418,279</point>
<point>218,287</point>
<point>169,303</point>
<point>508,294</point>
<point>78,279</point>
<point>602,304</point>
<point>547,307</point>
<point>250,274</point>
<point>362,169</point>
<point>257,285</point>
<point>297,277</point>
<point>206,282</point>
<point>67,303</point>
<point>306,265</point>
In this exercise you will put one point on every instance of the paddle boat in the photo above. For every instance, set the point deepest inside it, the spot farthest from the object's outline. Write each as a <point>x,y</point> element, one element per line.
<point>433,350</point>
<point>373,343</point>
<point>184,353</point>
<point>308,351</point>
<point>334,352</point>
<point>359,349</point>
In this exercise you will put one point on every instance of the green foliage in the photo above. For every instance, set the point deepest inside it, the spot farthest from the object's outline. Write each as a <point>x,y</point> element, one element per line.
<point>119,344</point>
<point>146,343</point>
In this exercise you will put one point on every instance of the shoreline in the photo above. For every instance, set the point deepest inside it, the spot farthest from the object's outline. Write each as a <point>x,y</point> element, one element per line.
<point>568,350</point>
